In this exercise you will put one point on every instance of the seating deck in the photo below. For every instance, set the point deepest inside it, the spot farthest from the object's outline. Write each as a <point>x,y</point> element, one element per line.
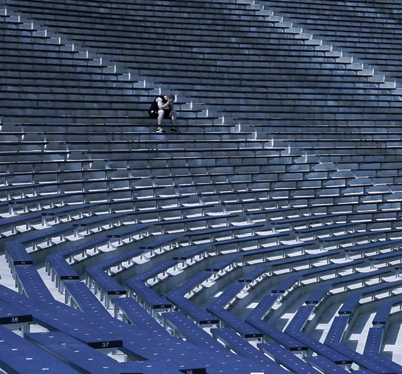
<point>353,299</point>
<point>256,319</point>
<point>79,355</point>
<point>13,317</point>
<point>272,216</point>
<point>323,363</point>
<point>183,326</point>
<point>60,270</point>
<point>79,296</point>
<point>176,296</point>
<point>19,356</point>
<point>218,309</point>
<point>383,312</point>
<point>30,284</point>
<point>130,310</point>
<point>319,293</point>
<point>242,347</point>
<point>337,330</point>
<point>286,358</point>
<point>374,341</point>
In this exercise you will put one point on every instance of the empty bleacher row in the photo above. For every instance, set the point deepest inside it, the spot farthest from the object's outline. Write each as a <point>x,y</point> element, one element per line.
<point>264,237</point>
<point>171,265</point>
<point>267,91</point>
<point>368,31</point>
<point>39,67</point>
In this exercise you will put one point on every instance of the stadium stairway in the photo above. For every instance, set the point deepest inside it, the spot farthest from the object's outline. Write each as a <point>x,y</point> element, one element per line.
<point>367,31</point>
<point>242,75</point>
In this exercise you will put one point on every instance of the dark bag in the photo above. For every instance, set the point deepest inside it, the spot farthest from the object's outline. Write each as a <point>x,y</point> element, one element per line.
<point>153,109</point>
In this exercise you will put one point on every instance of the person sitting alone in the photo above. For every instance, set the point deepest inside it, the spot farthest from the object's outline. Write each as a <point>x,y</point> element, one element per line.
<point>163,108</point>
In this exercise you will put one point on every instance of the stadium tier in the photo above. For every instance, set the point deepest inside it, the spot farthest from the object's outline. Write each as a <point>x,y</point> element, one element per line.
<point>262,236</point>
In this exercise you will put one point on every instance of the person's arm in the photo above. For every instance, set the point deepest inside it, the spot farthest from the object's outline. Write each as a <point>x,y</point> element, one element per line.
<point>160,103</point>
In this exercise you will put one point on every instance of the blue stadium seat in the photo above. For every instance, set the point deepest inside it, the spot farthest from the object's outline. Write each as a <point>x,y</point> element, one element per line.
<point>286,358</point>
<point>241,347</point>
<point>217,308</point>
<point>20,356</point>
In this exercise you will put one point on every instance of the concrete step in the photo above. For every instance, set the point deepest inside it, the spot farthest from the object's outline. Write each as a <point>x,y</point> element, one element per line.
<point>283,24</point>
<point>336,54</point>
<point>377,78</point>
<point>345,60</point>
<point>304,36</point>
<point>355,66</point>
<point>293,30</point>
<point>388,85</point>
<point>324,48</point>
<point>368,72</point>
<point>315,42</point>
<point>265,13</point>
<point>276,19</point>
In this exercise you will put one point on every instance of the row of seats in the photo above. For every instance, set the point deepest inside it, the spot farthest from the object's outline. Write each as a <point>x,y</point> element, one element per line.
<point>364,30</point>
<point>50,14</point>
